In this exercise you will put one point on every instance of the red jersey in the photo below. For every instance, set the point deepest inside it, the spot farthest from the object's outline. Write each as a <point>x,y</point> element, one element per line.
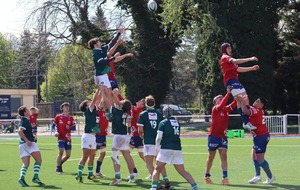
<point>257,119</point>
<point>135,115</point>
<point>33,119</point>
<point>111,74</point>
<point>61,121</point>
<point>229,69</point>
<point>220,118</point>
<point>103,123</point>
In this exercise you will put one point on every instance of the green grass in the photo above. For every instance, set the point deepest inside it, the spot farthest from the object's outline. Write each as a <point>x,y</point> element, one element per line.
<point>282,154</point>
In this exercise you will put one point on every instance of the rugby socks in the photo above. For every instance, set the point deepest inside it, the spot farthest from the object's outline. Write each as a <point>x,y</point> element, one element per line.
<point>135,170</point>
<point>245,118</point>
<point>80,168</point>
<point>165,178</point>
<point>23,172</point>
<point>225,174</point>
<point>154,184</point>
<point>117,175</point>
<point>98,166</point>
<point>257,167</point>
<point>131,176</point>
<point>90,169</point>
<point>36,169</point>
<point>265,166</point>
<point>194,186</point>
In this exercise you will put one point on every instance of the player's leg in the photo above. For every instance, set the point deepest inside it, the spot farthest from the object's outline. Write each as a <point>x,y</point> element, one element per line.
<point>115,159</point>
<point>68,149</point>
<point>116,164</point>
<point>100,161</point>
<point>239,90</point>
<point>25,157</point>
<point>59,157</point>
<point>155,175</point>
<point>257,176</point>
<point>260,146</point>
<point>130,164</point>
<point>212,143</point>
<point>186,175</point>
<point>149,156</point>
<point>101,146</point>
<point>37,165</point>
<point>82,161</point>
<point>224,165</point>
<point>91,157</point>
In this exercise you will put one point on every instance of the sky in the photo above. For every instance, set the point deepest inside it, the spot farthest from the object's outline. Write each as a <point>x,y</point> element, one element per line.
<point>12,16</point>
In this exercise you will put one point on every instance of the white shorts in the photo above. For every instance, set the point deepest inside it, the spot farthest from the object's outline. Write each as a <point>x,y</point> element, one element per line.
<point>25,150</point>
<point>149,150</point>
<point>236,92</point>
<point>170,156</point>
<point>102,80</point>
<point>88,141</point>
<point>121,142</point>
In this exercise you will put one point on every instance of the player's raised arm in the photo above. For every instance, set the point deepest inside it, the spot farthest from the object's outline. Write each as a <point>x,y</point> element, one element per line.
<point>116,37</point>
<point>247,69</point>
<point>121,57</point>
<point>114,48</point>
<point>244,60</point>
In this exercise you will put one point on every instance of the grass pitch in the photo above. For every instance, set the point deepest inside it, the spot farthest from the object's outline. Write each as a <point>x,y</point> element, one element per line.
<point>282,154</point>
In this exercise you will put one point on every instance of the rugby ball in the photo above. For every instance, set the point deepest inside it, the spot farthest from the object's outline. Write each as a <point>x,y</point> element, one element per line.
<point>152,5</point>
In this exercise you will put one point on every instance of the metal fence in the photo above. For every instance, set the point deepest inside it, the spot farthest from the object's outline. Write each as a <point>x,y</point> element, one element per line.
<point>276,124</point>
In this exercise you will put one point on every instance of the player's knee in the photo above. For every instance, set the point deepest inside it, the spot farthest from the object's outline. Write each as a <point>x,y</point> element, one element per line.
<point>140,150</point>
<point>114,157</point>
<point>102,150</point>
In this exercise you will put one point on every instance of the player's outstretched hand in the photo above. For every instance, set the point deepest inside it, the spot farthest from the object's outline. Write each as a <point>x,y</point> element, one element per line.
<point>129,54</point>
<point>119,41</point>
<point>121,30</point>
<point>229,88</point>
<point>117,54</point>
<point>255,67</point>
<point>253,59</point>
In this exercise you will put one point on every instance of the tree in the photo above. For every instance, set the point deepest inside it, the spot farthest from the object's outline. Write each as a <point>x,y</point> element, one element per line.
<point>7,57</point>
<point>70,74</point>
<point>184,88</point>
<point>153,47</point>
<point>31,64</point>
<point>248,25</point>
<point>287,74</point>
<point>150,71</point>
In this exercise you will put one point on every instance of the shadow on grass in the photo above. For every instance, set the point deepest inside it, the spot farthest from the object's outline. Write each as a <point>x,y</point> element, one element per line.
<point>251,186</point>
<point>2,170</point>
<point>287,186</point>
<point>50,187</point>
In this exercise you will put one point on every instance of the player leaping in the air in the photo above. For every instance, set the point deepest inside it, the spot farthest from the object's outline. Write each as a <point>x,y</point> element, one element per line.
<point>230,69</point>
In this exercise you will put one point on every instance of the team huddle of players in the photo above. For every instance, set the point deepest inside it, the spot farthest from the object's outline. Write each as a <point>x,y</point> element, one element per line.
<point>155,135</point>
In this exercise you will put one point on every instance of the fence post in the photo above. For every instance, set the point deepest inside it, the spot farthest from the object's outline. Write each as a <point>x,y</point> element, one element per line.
<point>298,124</point>
<point>285,124</point>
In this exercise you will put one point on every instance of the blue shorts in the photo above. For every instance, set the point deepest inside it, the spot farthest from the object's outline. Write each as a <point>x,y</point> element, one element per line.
<point>237,87</point>
<point>136,141</point>
<point>260,143</point>
<point>65,145</point>
<point>101,141</point>
<point>114,84</point>
<point>34,129</point>
<point>215,143</point>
